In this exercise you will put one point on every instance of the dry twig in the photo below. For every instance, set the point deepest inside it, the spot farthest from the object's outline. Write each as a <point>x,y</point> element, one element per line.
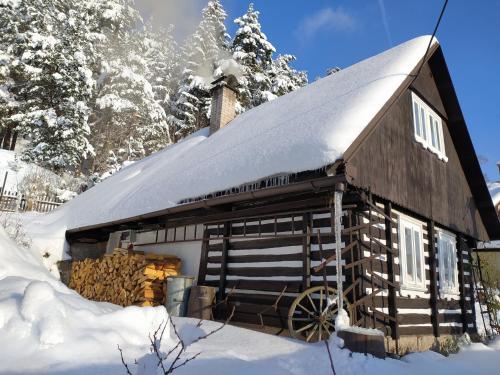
<point>179,349</point>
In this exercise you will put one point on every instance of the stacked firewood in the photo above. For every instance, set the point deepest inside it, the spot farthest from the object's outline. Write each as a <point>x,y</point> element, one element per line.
<point>125,277</point>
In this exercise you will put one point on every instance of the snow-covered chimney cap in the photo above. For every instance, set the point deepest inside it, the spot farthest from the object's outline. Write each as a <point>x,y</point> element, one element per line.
<point>223,108</point>
<point>229,81</point>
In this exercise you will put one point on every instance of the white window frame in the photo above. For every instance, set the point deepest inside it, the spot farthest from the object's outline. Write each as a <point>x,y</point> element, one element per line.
<point>448,263</point>
<point>411,281</point>
<point>428,127</point>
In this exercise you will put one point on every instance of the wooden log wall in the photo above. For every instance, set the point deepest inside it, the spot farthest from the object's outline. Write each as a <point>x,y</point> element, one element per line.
<point>424,312</point>
<point>259,260</point>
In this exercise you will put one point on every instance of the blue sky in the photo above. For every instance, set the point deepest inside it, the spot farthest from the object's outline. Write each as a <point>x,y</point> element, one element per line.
<point>324,34</point>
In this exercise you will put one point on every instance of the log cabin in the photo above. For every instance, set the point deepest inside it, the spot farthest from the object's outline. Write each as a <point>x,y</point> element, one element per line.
<point>242,202</point>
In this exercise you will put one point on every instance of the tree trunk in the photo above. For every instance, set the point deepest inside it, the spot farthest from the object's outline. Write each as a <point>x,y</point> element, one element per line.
<point>14,140</point>
<point>6,138</point>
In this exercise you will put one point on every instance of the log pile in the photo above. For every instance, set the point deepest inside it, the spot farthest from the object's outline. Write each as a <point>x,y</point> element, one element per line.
<point>125,277</point>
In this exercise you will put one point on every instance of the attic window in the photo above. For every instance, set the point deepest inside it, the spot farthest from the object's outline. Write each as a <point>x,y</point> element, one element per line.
<point>428,127</point>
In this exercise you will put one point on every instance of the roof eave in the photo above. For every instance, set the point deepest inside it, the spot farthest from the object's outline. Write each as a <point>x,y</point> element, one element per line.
<point>303,186</point>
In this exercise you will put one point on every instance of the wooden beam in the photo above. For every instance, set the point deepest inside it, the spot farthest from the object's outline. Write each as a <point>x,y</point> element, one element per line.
<point>306,251</point>
<point>393,311</point>
<point>461,281</point>
<point>223,264</point>
<point>202,270</point>
<point>433,278</point>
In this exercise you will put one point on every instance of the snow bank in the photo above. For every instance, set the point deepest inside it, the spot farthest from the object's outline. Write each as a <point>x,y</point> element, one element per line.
<point>47,328</point>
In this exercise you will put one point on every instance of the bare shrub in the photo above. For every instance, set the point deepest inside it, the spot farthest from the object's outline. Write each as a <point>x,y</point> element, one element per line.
<point>13,225</point>
<point>176,356</point>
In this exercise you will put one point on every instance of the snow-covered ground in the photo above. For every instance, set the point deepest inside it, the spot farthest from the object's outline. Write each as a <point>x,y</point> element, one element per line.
<point>45,328</point>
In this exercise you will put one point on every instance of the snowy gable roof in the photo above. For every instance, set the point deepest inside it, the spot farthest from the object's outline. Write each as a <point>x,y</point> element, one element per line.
<point>304,130</point>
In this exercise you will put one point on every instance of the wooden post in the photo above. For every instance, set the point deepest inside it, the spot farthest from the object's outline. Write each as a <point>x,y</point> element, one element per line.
<point>306,251</point>
<point>472,244</point>
<point>3,188</point>
<point>202,271</point>
<point>393,310</point>
<point>223,263</point>
<point>461,282</point>
<point>433,274</point>
<point>374,320</point>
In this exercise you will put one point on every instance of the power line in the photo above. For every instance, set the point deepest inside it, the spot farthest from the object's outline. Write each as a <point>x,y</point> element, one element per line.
<point>430,41</point>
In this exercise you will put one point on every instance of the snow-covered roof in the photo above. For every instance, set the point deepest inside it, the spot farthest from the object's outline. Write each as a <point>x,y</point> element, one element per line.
<point>304,130</point>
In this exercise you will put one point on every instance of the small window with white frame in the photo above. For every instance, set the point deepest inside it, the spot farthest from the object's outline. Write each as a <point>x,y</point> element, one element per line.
<point>428,127</point>
<point>448,270</point>
<point>411,253</point>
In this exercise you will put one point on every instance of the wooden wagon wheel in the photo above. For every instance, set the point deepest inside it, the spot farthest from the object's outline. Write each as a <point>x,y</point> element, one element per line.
<point>312,314</point>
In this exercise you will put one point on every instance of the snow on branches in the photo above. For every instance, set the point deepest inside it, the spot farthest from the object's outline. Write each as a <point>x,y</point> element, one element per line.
<point>91,86</point>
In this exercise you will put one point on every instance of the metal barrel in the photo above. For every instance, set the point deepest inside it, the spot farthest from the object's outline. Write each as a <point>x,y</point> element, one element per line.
<point>178,294</point>
<point>201,300</point>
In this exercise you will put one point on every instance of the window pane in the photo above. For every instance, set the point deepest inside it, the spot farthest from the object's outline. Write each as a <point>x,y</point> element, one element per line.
<point>422,118</point>
<point>453,263</point>
<point>416,119</point>
<point>448,264</point>
<point>438,136</point>
<point>433,131</point>
<point>170,235</point>
<point>409,255</point>
<point>441,251</point>
<point>418,256</point>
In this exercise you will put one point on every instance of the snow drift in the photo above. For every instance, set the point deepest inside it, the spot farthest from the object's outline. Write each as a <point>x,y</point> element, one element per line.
<point>46,327</point>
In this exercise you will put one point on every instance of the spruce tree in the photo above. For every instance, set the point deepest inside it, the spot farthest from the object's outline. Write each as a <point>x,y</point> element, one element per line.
<point>284,78</point>
<point>53,47</point>
<point>263,78</point>
<point>130,123</point>
<point>201,54</point>
<point>162,60</point>
<point>254,52</point>
<point>8,102</point>
<point>52,83</point>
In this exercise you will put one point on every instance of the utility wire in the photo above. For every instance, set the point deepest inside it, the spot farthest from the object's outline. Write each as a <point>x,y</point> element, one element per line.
<point>430,41</point>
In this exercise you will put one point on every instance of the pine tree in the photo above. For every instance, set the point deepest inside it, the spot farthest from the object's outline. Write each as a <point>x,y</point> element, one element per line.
<point>201,54</point>
<point>254,52</point>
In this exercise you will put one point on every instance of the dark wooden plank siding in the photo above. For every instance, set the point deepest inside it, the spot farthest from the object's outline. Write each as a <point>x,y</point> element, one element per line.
<point>418,312</point>
<point>394,166</point>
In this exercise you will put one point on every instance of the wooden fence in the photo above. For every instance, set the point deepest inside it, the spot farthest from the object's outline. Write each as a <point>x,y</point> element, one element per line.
<point>14,201</point>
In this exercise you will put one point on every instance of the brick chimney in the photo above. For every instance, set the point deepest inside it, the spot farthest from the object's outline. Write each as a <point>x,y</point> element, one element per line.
<point>223,102</point>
